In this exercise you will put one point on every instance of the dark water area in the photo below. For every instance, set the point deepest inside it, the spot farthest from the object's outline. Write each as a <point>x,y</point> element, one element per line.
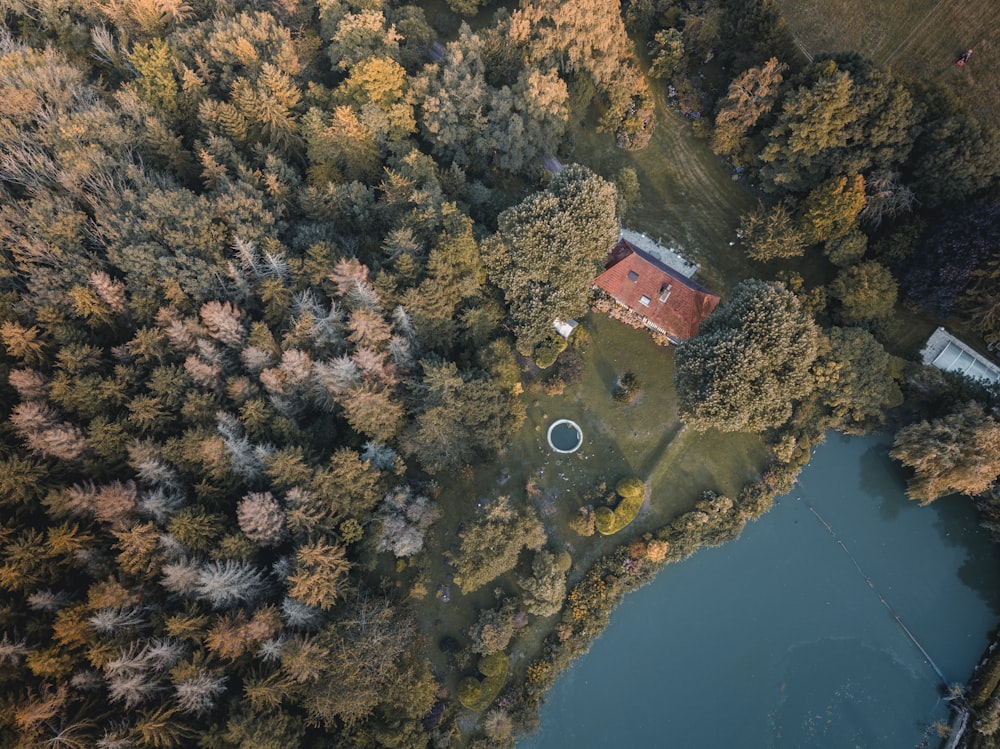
<point>782,639</point>
<point>565,436</point>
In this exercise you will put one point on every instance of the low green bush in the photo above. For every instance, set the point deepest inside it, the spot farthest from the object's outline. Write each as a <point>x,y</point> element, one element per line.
<point>548,351</point>
<point>632,492</point>
<point>631,487</point>
<point>628,387</point>
<point>476,694</point>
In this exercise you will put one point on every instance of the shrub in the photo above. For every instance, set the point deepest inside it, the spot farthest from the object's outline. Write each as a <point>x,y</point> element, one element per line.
<point>628,387</point>
<point>469,690</point>
<point>493,665</point>
<point>631,487</point>
<point>604,518</point>
<point>478,695</point>
<point>632,492</point>
<point>545,590</point>
<point>583,522</point>
<point>548,351</point>
<point>493,629</point>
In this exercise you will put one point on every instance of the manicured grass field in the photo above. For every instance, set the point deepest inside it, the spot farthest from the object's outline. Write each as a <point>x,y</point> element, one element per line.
<point>915,38</point>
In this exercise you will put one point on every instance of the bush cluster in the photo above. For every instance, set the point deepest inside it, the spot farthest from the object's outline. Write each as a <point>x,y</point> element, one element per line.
<point>478,694</point>
<point>632,492</point>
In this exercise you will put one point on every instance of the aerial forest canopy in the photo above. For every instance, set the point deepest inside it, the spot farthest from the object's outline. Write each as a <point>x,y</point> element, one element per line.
<point>265,270</point>
<point>242,295</point>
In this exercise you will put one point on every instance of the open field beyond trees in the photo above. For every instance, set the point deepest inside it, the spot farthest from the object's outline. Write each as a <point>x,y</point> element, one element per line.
<point>914,38</point>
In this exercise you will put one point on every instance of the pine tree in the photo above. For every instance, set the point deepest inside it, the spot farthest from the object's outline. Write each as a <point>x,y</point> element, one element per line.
<point>198,691</point>
<point>229,583</point>
<point>261,518</point>
<point>26,344</point>
<point>223,323</point>
<point>320,574</point>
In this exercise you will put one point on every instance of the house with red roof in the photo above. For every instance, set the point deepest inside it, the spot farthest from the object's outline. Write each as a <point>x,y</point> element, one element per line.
<point>661,298</point>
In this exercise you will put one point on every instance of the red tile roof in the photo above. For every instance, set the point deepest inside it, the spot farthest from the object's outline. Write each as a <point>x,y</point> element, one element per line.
<point>676,305</point>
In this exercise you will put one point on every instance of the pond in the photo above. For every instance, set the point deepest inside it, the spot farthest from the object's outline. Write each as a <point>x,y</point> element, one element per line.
<point>787,637</point>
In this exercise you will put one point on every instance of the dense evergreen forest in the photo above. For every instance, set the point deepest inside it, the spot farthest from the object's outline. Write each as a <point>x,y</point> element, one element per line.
<point>270,273</point>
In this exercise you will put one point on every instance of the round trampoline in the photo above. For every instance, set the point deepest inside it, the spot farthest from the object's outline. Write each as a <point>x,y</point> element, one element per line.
<point>565,436</point>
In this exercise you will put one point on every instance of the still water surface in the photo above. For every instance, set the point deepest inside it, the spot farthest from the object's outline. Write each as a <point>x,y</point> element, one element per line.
<point>779,639</point>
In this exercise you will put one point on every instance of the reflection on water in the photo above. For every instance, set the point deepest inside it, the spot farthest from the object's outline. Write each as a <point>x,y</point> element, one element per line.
<point>784,638</point>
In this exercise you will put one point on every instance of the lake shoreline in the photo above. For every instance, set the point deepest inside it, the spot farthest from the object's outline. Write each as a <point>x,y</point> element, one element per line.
<point>903,647</point>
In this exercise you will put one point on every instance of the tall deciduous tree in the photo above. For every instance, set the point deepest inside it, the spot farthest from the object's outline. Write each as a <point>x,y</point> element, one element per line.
<point>813,123</point>
<point>356,664</point>
<point>866,292</point>
<point>465,118</point>
<point>831,210</point>
<point>490,546</point>
<point>958,453</point>
<point>749,363</point>
<point>588,38</point>
<point>548,249</point>
<point>854,379</point>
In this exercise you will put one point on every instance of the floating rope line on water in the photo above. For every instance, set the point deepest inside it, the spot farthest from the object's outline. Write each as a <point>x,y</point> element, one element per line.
<point>881,598</point>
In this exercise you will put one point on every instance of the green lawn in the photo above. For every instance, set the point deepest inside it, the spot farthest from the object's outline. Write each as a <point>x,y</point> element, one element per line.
<point>689,199</point>
<point>644,438</point>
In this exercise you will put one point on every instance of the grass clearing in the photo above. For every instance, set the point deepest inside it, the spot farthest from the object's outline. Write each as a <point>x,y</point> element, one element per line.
<point>644,438</point>
<point>689,198</point>
<point>690,201</point>
<point>914,38</point>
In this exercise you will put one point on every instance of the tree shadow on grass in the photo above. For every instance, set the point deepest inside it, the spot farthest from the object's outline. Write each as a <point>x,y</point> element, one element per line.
<point>654,457</point>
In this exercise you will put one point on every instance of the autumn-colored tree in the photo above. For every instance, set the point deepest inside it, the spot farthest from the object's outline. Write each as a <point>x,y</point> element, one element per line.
<point>957,453</point>
<point>320,574</point>
<point>751,95</point>
<point>831,210</point>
